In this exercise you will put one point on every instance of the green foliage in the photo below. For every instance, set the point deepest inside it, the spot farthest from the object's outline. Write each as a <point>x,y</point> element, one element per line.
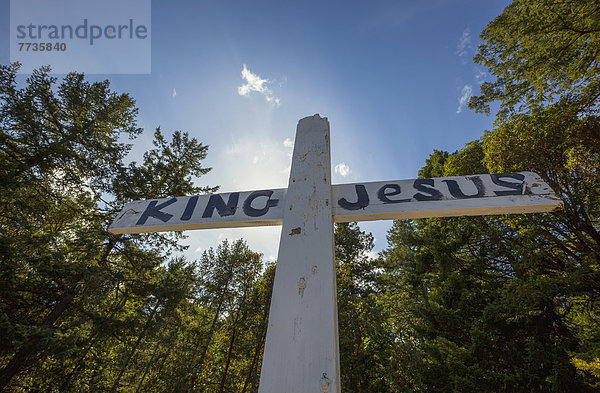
<point>482,304</point>
<point>434,166</point>
<point>78,305</point>
<point>375,346</point>
<point>359,317</point>
<point>240,296</point>
<point>511,303</point>
<point>560,145</point>
<point>507,303</point>
<point>540,50</point>
<point>166,170</point>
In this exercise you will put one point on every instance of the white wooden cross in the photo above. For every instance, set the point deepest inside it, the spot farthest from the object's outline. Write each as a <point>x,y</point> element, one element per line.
<point>301,350</point>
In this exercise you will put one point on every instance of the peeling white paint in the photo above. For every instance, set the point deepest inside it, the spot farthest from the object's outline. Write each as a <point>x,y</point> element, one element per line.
<point>302,336</point>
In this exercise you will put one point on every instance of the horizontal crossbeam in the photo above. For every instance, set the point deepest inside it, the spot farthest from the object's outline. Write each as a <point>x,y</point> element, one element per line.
<point>507,193</point>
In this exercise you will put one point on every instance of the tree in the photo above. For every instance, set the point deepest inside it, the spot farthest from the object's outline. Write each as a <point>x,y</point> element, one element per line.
<point>538,51</point>
<point>66,284</point>
<point>545,59</point>
<point>497,303</point>
<point>366,340</point>
<point>564,147</point>
<point>510,303</point>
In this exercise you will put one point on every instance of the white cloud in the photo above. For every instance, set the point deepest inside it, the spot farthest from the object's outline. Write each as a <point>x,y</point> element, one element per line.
<point>464,43</point>
<point>253,83</point>
<point>342,169</point>
<point>288,142</point>
<point>257,84</point>
<point>174,93</point>
<point>466,93</point>
<point>273,99</point>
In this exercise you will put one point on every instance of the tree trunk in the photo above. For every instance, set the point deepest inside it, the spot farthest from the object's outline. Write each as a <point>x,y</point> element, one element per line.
<point>148,366</point>
<point>19,360</point>
<point>261,341</point>
<point>198,368</point>
<point>94,340</point>
<point>164,360</point>
<point>229,351</point>
<point>210,335</point>
<point>135,346</point>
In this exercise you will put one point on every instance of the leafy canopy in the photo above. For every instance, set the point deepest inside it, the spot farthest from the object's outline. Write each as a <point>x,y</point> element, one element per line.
<point>540,50</point>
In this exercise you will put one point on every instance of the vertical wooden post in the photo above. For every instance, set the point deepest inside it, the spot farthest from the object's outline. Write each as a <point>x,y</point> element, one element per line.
<point>302,349</point>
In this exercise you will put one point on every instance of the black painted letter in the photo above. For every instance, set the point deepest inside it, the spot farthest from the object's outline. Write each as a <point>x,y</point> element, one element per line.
<point>515,188</point>
<point>383,195</point>
<point>153,210</point>
<point>361,203</point>
<point>422,185</point>
<point>252,212</point>
<point>456,192</point>
<point>216,202</point>
<point>189,208</point>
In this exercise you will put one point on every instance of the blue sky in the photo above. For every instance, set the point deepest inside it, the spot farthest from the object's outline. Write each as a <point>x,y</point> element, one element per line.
<point>389,75</point>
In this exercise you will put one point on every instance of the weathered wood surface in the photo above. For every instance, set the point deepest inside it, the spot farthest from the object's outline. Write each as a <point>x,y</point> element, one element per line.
<point>523,192</point>
<point>301,350</point>
<point>230,210</point>
<point>506,193</point>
